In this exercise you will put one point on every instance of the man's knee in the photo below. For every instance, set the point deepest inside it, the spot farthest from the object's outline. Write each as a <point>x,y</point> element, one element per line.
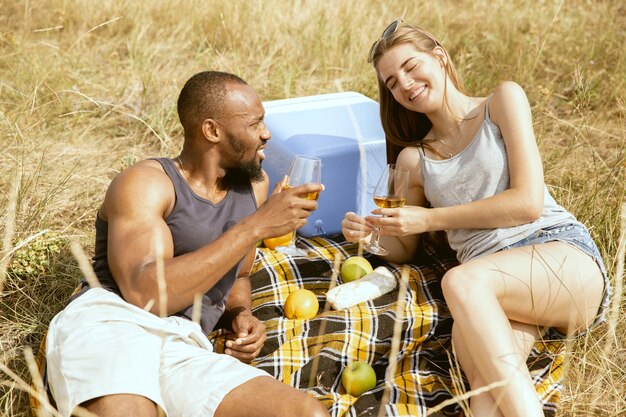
<point>298,403</point>
<point>266,396</point>
<point>313,408</point>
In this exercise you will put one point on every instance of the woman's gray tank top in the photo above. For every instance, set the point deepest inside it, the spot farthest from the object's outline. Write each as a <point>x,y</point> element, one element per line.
<point>193,222</point>
<point>480,171</point>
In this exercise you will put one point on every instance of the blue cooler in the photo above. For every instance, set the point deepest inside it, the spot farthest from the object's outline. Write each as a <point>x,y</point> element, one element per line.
<point>344,130</point>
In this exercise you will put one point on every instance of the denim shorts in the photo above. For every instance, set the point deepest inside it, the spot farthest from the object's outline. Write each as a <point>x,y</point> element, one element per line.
<point>574,234</point>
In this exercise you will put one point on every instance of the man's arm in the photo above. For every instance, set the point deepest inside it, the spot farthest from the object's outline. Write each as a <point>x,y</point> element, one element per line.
<point>248,336</point>
<point>135,207</point>
<point>239,298</point>
<point>248,333</point>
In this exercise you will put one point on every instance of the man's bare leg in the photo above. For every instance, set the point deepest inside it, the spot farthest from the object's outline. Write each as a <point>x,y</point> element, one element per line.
<point>265,397</point>
<point>121,405</point>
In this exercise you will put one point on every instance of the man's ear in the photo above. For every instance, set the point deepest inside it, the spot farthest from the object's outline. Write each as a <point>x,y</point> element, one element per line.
<point>210,130</point>
<point>441,55</point>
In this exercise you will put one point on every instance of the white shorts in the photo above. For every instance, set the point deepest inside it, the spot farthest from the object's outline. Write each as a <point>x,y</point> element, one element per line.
<point>101,345</point>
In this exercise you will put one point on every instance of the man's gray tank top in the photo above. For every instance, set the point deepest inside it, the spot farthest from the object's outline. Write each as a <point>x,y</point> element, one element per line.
<point>193,222</point>
<point>480,171</point>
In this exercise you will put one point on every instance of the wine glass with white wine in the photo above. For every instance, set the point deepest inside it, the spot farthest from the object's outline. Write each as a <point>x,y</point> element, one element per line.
<point>303,170</point>
<point>390,192</point>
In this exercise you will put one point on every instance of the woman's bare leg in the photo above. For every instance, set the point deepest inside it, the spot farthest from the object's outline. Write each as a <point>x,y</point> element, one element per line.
<point>485,404</point>
<point>551,284</point>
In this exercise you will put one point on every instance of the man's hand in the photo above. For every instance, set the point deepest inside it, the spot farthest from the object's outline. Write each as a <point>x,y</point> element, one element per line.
<point>247,338</point>
<point>283,211</point>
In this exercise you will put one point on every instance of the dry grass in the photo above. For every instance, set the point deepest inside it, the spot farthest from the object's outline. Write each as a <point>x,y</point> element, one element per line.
<point>87,88</point>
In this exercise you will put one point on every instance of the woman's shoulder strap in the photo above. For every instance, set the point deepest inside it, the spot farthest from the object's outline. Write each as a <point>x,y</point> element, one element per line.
<point>487,117</point>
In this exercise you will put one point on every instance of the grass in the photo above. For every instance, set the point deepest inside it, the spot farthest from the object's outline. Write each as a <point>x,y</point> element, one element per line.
<point>87,88</point>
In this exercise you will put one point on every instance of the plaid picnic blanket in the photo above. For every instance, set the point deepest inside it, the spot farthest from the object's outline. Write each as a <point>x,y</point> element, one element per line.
<point>310,354</point>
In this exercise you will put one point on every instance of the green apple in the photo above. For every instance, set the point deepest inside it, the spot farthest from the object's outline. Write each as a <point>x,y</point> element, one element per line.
<point>354,268</point>
<point>357,378</point>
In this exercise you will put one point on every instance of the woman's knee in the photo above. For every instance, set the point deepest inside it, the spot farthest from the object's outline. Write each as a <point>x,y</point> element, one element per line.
<point>463,284</point>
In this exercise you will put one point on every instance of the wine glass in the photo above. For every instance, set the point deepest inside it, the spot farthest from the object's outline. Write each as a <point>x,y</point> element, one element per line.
<point>390,192</point>
<point>304,169</point>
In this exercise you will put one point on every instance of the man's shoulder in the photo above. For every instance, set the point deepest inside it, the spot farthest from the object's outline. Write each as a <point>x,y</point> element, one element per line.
<point>144,183</point>
<point>147,171</point>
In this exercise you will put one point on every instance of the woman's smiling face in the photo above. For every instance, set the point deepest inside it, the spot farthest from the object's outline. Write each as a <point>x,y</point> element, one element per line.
<point>416,79</point>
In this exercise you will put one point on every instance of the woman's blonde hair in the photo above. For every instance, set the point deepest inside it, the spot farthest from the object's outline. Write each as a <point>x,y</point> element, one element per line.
<point>404,127</point>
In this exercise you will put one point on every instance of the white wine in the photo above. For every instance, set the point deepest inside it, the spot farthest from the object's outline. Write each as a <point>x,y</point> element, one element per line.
<point>390,192</point>
<point>389,202</point>
<point>313,195</point>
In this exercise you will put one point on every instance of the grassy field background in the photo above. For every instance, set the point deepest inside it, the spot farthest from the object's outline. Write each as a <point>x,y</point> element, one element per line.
<point>89,87</point>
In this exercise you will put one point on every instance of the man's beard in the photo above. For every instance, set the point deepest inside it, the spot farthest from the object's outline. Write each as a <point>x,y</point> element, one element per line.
<point>244,171</point>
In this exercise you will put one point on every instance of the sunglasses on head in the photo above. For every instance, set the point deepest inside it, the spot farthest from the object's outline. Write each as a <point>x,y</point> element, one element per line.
<point>390,30</point>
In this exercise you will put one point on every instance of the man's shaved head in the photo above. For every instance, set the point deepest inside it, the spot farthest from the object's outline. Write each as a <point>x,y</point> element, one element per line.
<point>203,97</point>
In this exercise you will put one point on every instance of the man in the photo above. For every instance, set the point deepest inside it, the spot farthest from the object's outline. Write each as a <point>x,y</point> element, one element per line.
<point>171,231</point>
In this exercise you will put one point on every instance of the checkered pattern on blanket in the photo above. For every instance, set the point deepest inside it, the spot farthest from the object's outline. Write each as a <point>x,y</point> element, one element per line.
<point>424,376</point>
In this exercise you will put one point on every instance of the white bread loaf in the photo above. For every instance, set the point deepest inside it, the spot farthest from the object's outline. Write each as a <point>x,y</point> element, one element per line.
<point>379,282</point>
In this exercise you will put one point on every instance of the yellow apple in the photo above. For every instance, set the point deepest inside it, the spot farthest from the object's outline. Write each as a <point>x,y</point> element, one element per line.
<point>301,304</point>
<point>354,268</point>
<point>357,378</point>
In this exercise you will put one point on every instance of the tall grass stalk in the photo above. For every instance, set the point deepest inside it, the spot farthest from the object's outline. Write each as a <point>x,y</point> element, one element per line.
<point>313,376</point>
<point>396,341</point>
<point>9,229</point>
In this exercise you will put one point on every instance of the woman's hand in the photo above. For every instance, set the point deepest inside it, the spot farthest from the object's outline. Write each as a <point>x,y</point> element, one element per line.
<point>405,221</point>
<point>355,227</point>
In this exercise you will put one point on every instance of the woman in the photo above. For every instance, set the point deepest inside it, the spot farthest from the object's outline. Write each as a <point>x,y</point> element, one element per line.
<point>525,262</point>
